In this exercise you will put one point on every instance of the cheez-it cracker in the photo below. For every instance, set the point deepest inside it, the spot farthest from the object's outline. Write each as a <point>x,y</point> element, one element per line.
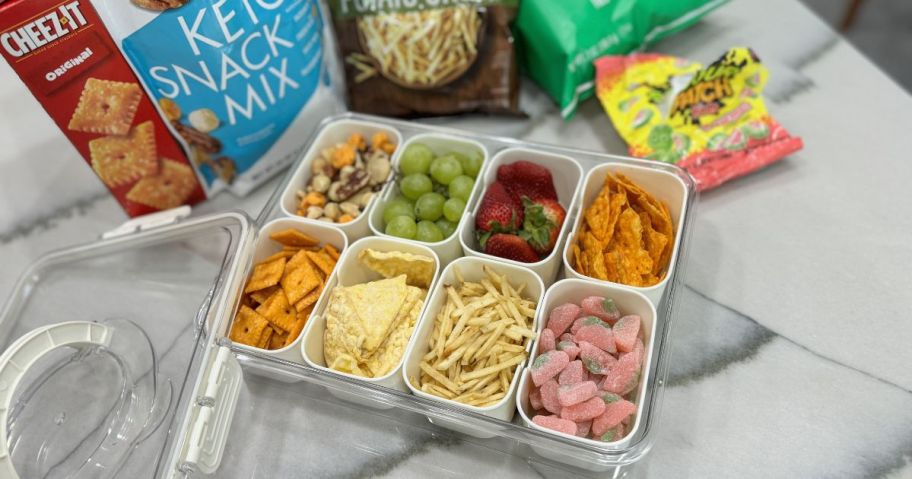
<point>68,60</point>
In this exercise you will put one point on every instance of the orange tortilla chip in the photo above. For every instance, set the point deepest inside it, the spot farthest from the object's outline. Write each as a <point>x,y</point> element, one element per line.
<point>248,327</point>
<point>293,237</point>
<point>277,311</point>
<point>265,275</point>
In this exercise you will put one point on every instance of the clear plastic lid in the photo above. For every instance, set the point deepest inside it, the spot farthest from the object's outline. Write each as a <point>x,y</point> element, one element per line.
<point>101,343</point>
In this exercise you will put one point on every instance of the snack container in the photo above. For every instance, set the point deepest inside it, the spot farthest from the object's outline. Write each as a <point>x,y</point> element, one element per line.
<point>447,249</point>
<point>265,247</point>
<point>351,272</point>
<point>471,269</point>
<point>666,186</point>
<point>628,301</point>
<point>567,174</point>
<point>131,331</point>
<point>301,172</point>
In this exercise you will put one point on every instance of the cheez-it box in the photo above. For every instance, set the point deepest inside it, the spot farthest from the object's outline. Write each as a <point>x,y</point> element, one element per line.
<point>65,56</point>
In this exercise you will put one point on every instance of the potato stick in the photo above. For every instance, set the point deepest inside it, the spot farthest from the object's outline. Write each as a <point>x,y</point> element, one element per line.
<point>490,342</point>
<point>482,320</point>
<point>469,384</point>
<point>467,334</point>
<point>523,331</point>
<point>440,378</point>
<point>451,359</point>
<point>514,335</point>
<point>451,373</point>
<point>504,379</point>
<point>474,306</point>
<point>497,367</point>
<point>484,382</point>
<point>492,400</point>
<point>494,351</point>
<point>458,328</point>
<point>453,296</point>
<point>439,391</point>
<point>490,288</point>
<point>519,318</point>
<point>441,340</point>
<point>473,348</point>
<point>491,389</point>
<point>511,348</point>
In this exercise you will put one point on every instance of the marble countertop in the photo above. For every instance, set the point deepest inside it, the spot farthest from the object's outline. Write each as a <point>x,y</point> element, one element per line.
<point>791,341</point>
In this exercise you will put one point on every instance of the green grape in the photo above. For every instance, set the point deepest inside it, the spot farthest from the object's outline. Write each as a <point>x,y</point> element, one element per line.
<point>445,168</point>
<point>398,206</point>
<point>461,187</point>
<point>446,227</point>
<point>429,206</point>
<point>415,185</point>
<point>416,159</point>
<point>452,209</point>
<point>428,232</point>
<point>471,163</point>
<point>403,227</point>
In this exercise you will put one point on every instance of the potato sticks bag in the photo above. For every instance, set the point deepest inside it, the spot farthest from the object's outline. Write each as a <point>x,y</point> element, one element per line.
<point>710,121</point>
<point>242,84</point>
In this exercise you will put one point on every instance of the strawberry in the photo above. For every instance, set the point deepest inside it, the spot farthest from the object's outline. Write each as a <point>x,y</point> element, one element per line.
<point>524,178</point>
<point>498,213</point>
<point>542,222</point>
<point>510,247</point>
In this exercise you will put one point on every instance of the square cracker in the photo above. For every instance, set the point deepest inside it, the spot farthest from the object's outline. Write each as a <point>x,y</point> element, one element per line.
<point>298,326</point>
<point>265,338</point>
<point>299,281</point>
<point>322,260</point>
<point>106,107</point>
<point>310,299</point>
<point>248,327</point>
<point>261,295</point>
<point>119,160</point>
<point>168,189</point>
<point>277,311</point>
<point>293,237</point>
<point>277,341</point>
<point>265,275</point>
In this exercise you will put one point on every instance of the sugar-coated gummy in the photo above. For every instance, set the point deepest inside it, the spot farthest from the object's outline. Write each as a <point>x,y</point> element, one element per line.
<point>548,365</point>
<point>602,308</point>
<point>557,424</point>
<point>583,428</point>
<point>546,341</point>
<point>615,412</point>
<point>639,351</point>
<point>587,321</point>
<point>572,374</point>
<point>623,377</point>
<point>612,434</point>
<point>570,394</point>
<point>598,336</point>
<point>589,409</point>
<point>535,399</point>
<point>569,347</point>
<point>626,331</point>
<point>549,397</point>
<point>594,359</point>
<point>566,337</point>
<point>562,317</point>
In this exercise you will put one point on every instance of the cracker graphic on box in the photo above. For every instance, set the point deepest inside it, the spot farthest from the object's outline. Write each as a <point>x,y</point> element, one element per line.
<point>119,160</point>
<point>168,189</point>
<point>106,107</point>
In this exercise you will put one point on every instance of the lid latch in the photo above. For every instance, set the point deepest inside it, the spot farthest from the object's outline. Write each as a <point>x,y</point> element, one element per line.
<point>213,411</point>
<point>151,220</point>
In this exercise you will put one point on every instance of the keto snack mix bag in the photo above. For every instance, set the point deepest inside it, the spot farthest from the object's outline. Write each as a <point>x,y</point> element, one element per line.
<point>558,40</point>
<point>413,58</point>
<point>62,52</point>
<point>710,121</point>
<point>242,83</point>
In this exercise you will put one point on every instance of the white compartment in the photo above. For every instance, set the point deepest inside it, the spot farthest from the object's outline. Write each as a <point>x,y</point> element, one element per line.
<point>448,249</point>
<point>471,270</point>
<point>351,272</point>
<point>265,247</point>
<point>628,301</point>
<point>567,174</point>
<point>663,185</point>
<point>333,134</point>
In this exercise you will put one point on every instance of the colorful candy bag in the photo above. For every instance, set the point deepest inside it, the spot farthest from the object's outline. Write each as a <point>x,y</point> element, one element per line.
<point>711,121</point>
<point>557,40</point>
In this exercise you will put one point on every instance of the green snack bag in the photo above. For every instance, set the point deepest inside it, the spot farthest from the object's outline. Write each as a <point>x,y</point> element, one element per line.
<point>558,40</point>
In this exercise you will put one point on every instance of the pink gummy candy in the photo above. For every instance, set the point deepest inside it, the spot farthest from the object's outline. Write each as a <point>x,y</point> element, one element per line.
<point>640,352</point>
<point>587,321</point>
<point>626,331</point>
<point>583,428</point>
<point>535,399</point>
<point>570,347</point>
<point>548,365</point>
<point>570,394</point>
<point>572,374</point>
<point>612,434</point>
<point>623,377</point>
<point>562,317</point>
<point>589,409</point>
<point>594,359</point>
<point>615,412</point>
<point>565,337</point>
<point>599,336</point>
<point>546,341</point>
<point>602,308</point>
<point>549,397</point>
<point>557,424</point>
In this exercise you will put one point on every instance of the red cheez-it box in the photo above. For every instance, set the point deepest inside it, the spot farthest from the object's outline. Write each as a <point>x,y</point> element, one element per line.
<point>65,56</point>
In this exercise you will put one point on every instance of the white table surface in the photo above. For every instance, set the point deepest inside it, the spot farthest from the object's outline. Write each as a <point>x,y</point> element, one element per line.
<point>792,345</point>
